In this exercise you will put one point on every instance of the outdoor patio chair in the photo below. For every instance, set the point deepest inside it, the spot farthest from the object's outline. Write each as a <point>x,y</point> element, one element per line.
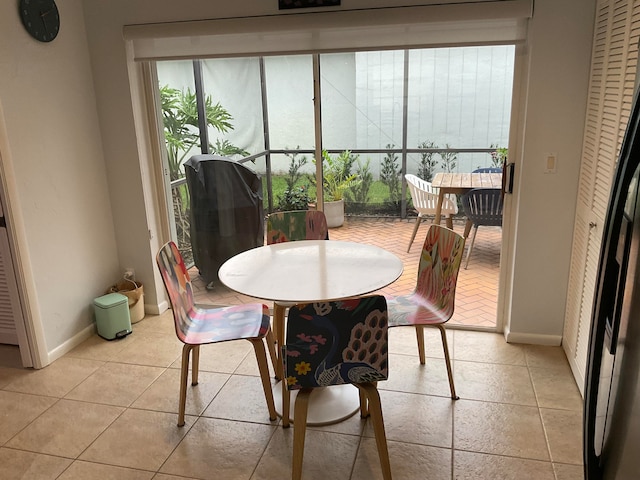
<point>425,201</point>
<point>336,343</point>
<point>482,206</point>
<point>488,170</point>
<point>432,302</point>
<point>197,326</point>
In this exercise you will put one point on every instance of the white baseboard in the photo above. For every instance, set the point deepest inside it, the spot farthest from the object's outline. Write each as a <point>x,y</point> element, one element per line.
<point>89,330</point>
<point>156,309</point>
<point>533,338</point>
<point>70,344</point>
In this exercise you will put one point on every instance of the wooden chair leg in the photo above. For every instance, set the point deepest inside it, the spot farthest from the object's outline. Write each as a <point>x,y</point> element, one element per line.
<point>184,378</point>
<point>261,356</point>
<point>415,230</point>
<point>450,221</point>
<point>420,338</point>
<point>375,408</point>
<point>447,358</point>
<point>195,364</point>
<point>299,431</point>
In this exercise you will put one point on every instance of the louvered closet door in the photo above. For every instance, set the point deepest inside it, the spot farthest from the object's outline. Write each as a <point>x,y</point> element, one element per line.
<point>11,319</point>
<point>10,311</point>
<point>613,74</point>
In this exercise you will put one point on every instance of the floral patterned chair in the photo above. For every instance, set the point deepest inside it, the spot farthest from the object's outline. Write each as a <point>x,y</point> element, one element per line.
<point>296,225</point>
<point>336,343</point>
<point>197,326</point>
<point>432,302</point>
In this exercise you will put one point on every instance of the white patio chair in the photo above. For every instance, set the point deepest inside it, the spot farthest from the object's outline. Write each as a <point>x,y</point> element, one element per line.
<point>425,201</point>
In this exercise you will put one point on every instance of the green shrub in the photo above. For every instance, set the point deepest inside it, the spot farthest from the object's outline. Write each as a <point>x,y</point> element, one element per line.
<point>295,198</point>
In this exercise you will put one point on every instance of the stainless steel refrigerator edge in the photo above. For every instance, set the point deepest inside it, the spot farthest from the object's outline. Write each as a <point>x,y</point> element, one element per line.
<point>612,391</point>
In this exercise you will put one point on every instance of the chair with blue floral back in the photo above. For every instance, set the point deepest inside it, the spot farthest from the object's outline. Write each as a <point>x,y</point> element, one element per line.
<point>432,302</point>
<point>296,225</point>
<point>197,326</point>
<point>336,343</point>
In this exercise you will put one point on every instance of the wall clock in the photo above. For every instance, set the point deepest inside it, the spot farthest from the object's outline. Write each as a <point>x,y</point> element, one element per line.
<point>40,18</point>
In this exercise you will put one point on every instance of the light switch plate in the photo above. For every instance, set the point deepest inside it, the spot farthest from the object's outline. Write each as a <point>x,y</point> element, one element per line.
<point>550,163</point>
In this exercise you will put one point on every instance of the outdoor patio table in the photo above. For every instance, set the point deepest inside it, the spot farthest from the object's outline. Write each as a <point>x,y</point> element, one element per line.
<point>312,271</point>
<point>461,183</point>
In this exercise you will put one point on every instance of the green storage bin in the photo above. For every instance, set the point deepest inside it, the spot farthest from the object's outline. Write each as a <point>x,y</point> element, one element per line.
<point>112,316</point>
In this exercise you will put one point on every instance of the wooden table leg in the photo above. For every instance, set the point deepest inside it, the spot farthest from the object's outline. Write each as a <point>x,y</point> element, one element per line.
<point>436,220</point>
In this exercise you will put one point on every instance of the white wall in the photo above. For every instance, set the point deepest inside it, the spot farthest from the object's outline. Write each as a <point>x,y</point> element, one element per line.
<point>560,38</point>
<point>55,151</point>
<point>559,46</point>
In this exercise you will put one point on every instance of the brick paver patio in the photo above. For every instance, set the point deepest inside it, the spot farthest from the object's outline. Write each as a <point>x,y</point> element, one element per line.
<point>477,289</point>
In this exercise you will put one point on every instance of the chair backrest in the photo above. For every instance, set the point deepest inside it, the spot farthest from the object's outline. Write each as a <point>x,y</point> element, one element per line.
<point>296,225</point>
<point>178,285</point>
<point>438,269</point>
<point>425,198</point>
<point>483,206</point>
<point>334,343</point>
<point>488,170</point>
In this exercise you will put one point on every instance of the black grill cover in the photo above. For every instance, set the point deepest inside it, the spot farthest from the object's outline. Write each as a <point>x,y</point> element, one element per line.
<point>226,211</point>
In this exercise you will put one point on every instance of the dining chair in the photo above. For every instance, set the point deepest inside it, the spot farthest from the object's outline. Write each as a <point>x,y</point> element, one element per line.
<point>482,206</point>
<point>432,302</point>
<point>336,343</point>
<point>296,225</point>
<point>425,200</point>
<point>197,326</point>
<point>292,226</point>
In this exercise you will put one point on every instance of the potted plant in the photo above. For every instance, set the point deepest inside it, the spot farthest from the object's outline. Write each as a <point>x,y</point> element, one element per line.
<point>499,156</point>
<point>336,181</point>
<point>294,198</point>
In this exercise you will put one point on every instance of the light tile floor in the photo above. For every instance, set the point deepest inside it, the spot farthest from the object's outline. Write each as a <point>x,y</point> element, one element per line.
<point>477,290</point>
<point>108,410</point>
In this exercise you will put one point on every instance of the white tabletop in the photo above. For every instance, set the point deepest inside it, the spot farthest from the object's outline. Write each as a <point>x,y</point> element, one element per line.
<point>310,270</point>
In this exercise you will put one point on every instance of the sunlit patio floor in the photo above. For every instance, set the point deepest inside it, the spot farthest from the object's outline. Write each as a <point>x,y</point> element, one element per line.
<point>477,289</point>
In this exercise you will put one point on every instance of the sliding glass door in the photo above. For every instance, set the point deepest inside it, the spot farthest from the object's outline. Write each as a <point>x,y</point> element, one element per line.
<point>388,113</point>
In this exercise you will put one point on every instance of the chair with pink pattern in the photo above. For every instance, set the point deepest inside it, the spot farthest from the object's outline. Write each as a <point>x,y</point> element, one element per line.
<point>432,302</point>
<point>197,326</point>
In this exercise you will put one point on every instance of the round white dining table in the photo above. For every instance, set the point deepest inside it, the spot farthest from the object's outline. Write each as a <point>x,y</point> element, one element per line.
<point>308,271</point>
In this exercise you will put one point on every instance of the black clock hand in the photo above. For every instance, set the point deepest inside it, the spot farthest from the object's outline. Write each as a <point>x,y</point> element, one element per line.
<point>44,22</point>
